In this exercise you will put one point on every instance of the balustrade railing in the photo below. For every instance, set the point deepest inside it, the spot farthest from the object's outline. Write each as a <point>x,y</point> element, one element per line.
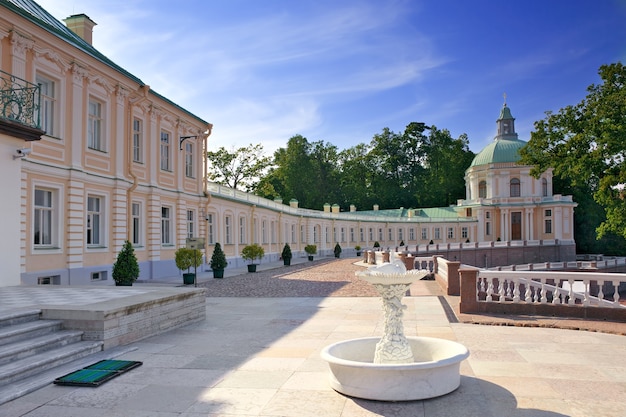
<point>20,100</point>
<point>543,287</point>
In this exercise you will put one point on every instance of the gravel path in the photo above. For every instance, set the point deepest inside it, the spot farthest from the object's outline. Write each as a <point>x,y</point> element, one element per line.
<point>321,278</point>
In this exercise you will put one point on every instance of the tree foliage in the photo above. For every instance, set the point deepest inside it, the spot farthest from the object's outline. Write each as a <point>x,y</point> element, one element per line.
<point>586,145</point>
<point>238,168</point>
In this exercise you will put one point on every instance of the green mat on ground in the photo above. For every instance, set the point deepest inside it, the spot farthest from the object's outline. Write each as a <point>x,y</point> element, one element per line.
<point>97,373</point>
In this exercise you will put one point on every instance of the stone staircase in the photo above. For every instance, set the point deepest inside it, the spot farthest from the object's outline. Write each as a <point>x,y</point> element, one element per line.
<point>31,347</point>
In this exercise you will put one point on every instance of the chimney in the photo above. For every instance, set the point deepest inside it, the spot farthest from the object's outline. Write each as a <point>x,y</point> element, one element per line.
<point>293,203</point>
<point>376,207</point>
<point>352,208</point>
<point>335,208</point>
<point>81,25</point>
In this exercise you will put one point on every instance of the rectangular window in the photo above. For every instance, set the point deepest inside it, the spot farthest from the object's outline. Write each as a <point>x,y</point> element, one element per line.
<point>94,220</point>
<point>191,224</point>
<point>424,233</point>
<point>47,111</point>
<point>136,219</point>
<point>272,232</point>
<point>302,234</point>
<point>189,171</point>
<point>352,234</point>
<point>343,234</point>
<point>327,233</point>
<point>95,126</point>
<point>464,232</point>
<point>548,213</point>
<point>437,233</point>
<point>450,232</point>
<point>165,152</point>
<point>209,223</point>
<point>166,226</point>
<point>137,140</point>
<point>242,230</point>
<point>400,234</point>
<point>488,228</point>
<point>228,225</point>
<point>390,235</point>
<point>380,234</point>
<point>548,226</point>
<point>264,231</point>
<point>488,215</point>
<point>293,233</point>
<point>411,233</point>
<point>371,234</point>
<point>361,235</point>
<point>43,218</point>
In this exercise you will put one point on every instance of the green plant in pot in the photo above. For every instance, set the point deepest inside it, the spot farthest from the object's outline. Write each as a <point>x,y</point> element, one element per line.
<point>357,248</point>
<point>125,269</point>
<point>250,253</point>
<point>286,255</point>
<point>337,250</point>
<point>218,261</point>
<point>186,258</point>
<point>310,250</point>
<point>376,245</point>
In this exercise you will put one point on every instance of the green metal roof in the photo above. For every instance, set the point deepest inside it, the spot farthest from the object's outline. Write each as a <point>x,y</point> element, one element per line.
<point>417,214</point>
<point>38,15</point>
<point>499,151</point>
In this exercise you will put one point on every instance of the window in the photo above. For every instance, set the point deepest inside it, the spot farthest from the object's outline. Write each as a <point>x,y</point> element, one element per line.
<point>352,234</point>
<point>137,140</point>
<point>228,229</point>
<point>380,234</point>
<point>166,226</point>
<point>165,152</point>
<point>488,228</point>
<point>544,187</point>
<point>209,223</point>
<point>242,230</point>
<point>191,224</point>
<point>343,234</point>
<point>95,126</point>
<point>264,231</point>
<point>47,111</point>
<point>334,234</point>
<point>272,232</point>
<point>450,232</point>
<point>43,218</point>
<point>401,234</point>
<point>94,220</point>
<point>136,220</point>
<point>302,234</point>
<point>515,187</point>
<point>411,233</point>
<point>361,234</point>
<point>424,233</point>
<point>371,234</point>
<point>548,221</point>
<point>488,215</point>
<point>293,233</point>
<point>189,160</point>
<point>464,232</point>
<point>482,189</point>
<point>437,233</point>
<point>390,234</point>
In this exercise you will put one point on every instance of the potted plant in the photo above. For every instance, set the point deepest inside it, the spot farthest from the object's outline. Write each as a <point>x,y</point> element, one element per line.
<point>337,250</point>
<point>218,261</point>
<point>286,255</point>
<point>252,252</point>
<point>376,245</point>
<point>185,258</point>
<point>310,250</point>
<point>125,269</point>
<point>357,248</point>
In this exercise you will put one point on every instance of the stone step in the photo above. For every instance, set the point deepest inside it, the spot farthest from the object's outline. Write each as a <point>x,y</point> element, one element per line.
<point>32,365</point>
<point>32,346</point>
<point>28,330</point>
<point>13,317</point>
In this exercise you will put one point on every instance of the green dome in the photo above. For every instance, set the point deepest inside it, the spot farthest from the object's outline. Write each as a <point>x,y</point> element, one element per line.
<point>499,151</point>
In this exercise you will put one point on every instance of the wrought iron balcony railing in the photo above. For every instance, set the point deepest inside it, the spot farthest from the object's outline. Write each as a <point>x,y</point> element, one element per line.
<point>19,100</point>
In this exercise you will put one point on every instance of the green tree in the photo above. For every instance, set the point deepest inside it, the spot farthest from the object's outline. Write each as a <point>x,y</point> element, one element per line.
<point>585,144</point>
<point>239,168</point>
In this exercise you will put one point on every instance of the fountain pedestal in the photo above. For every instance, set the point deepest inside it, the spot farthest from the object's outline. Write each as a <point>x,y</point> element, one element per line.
<point>394,367</point>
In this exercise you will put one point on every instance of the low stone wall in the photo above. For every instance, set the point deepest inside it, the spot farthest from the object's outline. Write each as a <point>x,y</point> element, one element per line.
<point>125,320</point>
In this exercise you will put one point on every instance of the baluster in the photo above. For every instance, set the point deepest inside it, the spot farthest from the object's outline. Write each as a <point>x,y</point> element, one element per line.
<point>535,294</point>
<point>616,294</point>
<point>501,290</point>
<point>544,296</point>
<point>600,292</point>
<point>528,293</point>
<point>482,284</point>
<point>586,299</point>
<point>489,290</point>
<point>516,290</point>
<point>509,292</point>
<point>556,297</point>
<point>571,300</point>
<point>479,285</point>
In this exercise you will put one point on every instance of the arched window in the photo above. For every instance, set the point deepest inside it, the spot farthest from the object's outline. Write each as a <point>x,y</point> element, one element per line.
<point>544,187</point>
<point>515,187</point>
<point>482,189</point>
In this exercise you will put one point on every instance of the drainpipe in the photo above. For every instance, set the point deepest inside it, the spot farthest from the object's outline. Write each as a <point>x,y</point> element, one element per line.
<point>205,187</point>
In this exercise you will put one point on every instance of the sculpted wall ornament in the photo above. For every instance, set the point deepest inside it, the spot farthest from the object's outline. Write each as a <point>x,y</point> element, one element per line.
<point>21,44</point>
<point>54,58</point>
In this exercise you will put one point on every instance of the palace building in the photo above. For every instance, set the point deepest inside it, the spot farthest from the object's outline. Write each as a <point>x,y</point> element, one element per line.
<point>93,157</point>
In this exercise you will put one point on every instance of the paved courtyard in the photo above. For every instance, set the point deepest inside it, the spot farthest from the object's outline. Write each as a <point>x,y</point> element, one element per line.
<point>259,356</point>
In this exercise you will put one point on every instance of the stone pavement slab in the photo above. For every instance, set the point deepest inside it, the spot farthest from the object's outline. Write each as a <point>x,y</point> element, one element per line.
<point>260,357</point>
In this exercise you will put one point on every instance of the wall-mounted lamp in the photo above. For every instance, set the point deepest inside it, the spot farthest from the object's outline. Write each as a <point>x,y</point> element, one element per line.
<point>184,138</point>
<point>21,153</point>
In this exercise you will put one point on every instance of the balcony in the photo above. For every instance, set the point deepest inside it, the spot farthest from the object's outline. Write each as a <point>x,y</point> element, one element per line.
<point>19,108</point>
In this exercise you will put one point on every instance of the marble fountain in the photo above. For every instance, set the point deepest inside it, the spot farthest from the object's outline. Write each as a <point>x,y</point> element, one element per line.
<point>394,367</point>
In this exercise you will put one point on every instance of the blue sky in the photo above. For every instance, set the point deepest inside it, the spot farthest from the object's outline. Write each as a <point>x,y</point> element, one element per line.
<point>342,70</point>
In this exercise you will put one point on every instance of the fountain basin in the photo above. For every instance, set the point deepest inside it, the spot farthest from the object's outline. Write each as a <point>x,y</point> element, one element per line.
<point>434,372</point>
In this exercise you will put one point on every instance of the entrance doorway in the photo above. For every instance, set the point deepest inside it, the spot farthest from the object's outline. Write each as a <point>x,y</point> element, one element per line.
<point>516,225</point>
